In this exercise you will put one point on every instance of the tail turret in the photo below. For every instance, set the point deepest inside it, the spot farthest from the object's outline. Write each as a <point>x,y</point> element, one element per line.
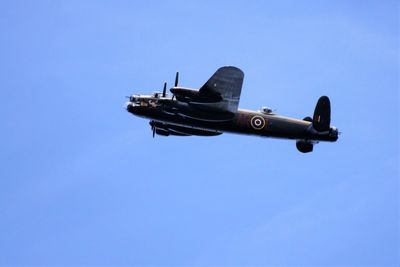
<point>320,127</point>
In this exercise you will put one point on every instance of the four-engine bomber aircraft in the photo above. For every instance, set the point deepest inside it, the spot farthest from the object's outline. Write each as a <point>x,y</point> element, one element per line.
<point>213,110</point>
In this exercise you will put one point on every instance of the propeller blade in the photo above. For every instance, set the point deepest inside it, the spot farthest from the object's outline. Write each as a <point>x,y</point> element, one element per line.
<point>153,127</point>
<point>176,79</point>
<point>164,90</point>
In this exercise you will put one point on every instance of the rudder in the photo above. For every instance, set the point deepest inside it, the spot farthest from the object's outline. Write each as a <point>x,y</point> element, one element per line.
<point>322,114</point>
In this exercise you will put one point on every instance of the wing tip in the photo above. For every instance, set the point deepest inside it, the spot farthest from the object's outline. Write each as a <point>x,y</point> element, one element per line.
<point>231,69</point>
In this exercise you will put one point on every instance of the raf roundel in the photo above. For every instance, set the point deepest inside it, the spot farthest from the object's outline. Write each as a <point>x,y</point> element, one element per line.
<point>257,122</point>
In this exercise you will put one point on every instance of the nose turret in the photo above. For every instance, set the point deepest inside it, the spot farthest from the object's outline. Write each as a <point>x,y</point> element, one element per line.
<point>129,106</point>
<point>132,103</point>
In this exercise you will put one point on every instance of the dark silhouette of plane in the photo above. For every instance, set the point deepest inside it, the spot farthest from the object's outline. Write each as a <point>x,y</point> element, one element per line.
<point>213,110</point>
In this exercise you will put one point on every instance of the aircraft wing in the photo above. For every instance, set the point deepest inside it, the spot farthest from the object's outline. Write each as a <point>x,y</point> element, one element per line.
<point>227,83</point>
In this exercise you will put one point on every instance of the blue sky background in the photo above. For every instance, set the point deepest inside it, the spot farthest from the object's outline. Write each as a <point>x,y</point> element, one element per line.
<point>83,182</point>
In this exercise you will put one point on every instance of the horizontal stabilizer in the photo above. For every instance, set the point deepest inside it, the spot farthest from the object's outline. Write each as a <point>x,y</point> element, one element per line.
<point>304,146</point>
<point>307,119</point>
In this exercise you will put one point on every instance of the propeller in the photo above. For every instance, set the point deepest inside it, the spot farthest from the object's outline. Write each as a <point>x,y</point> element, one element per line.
<point>165,89</point>
<point>176,83</point>
<point>176,79</point>
<point>153,127</point>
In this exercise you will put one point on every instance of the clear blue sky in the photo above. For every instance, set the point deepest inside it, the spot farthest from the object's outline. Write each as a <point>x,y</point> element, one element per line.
<point>83,182</point>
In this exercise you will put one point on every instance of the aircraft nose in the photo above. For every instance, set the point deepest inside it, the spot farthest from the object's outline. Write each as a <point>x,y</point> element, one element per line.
<point>128,106</point>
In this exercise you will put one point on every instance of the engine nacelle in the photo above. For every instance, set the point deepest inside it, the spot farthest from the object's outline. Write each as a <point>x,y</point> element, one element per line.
<point>304,146</point>
<point>162,132</point>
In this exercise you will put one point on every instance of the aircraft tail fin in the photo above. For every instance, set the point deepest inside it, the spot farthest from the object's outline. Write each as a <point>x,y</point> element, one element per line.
<point>322,115</point>
<point>320,126</point>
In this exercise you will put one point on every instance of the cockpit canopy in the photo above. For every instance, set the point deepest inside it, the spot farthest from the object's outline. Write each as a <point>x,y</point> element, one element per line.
<point>146,100</point>
<point>154,96</point>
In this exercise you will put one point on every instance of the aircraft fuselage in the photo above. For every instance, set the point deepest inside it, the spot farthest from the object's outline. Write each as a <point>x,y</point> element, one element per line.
<point>188,115</point>
<point>213,109</point>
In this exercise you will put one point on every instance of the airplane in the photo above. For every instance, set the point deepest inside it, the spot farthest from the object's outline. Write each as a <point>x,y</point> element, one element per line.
<point>213,110</point>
